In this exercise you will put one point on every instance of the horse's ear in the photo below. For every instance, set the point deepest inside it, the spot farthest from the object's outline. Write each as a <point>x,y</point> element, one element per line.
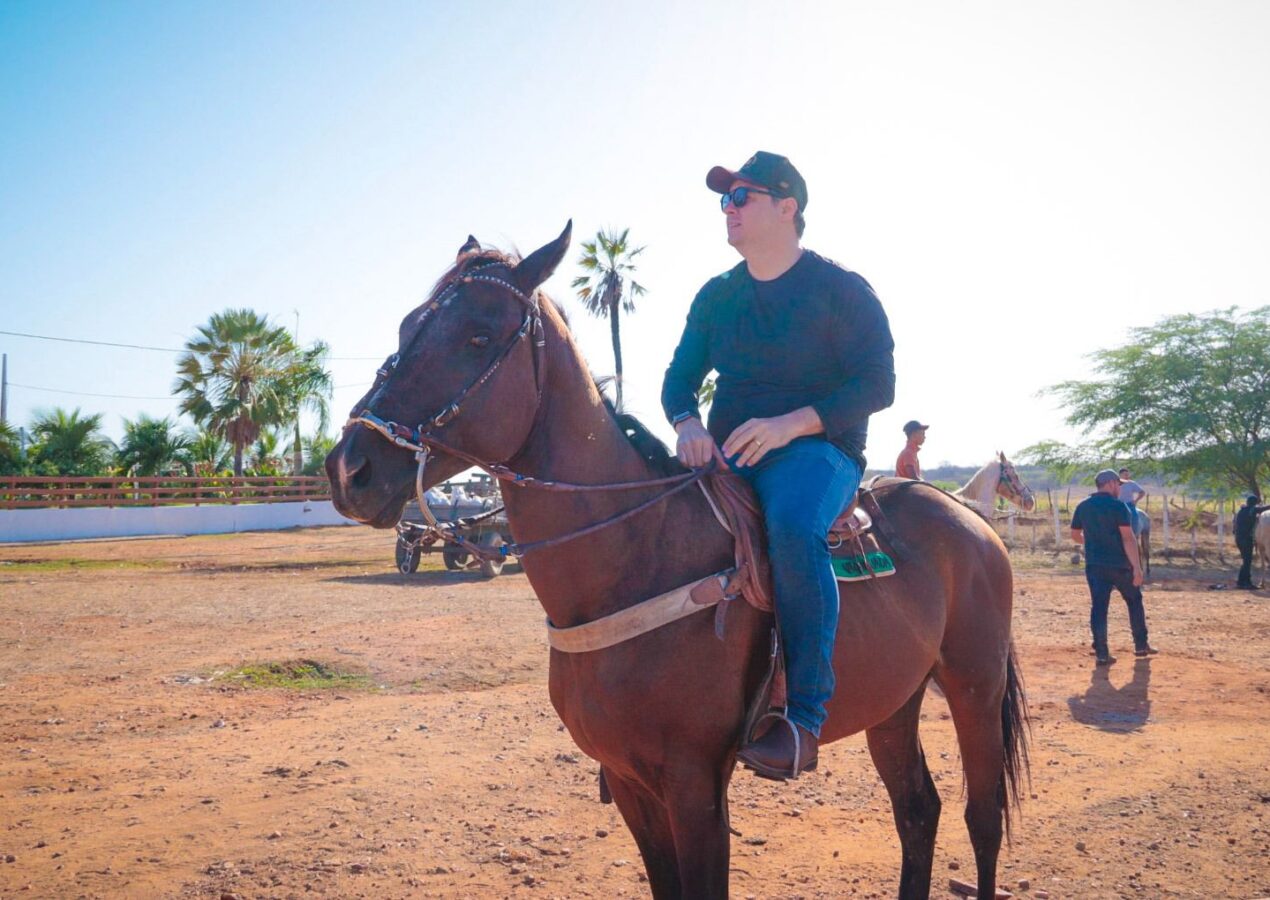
<point>1001,455</point>
<point>537,267</point>
<point>472,244</point>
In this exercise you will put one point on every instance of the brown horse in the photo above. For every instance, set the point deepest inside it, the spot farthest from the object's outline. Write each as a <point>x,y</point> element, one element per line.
<point>488,365</point>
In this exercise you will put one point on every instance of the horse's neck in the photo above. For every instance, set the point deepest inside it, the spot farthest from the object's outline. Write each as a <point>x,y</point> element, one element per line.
<point>577,440</point>
<point>981,489</point>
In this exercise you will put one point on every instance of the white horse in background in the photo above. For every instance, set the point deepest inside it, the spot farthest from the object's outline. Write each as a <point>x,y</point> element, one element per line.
<point>997,478</point>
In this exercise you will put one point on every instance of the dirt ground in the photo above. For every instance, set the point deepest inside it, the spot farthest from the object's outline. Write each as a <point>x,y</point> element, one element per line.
<point>131,767</point>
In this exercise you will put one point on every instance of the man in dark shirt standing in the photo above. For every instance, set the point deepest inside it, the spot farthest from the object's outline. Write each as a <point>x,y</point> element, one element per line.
<point>803,353</point>
<point>1103,524</point>
<point>1245,529</point>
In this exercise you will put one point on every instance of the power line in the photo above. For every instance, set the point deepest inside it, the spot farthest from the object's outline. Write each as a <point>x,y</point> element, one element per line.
<point>31,387</point>
<point>65,340</point>
<point>45,337</point>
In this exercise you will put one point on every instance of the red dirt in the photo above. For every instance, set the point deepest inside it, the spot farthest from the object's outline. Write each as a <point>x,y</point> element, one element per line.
<point>123,773</point>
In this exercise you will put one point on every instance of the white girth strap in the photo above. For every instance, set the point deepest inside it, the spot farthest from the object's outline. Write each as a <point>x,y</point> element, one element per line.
<point>638,619</point>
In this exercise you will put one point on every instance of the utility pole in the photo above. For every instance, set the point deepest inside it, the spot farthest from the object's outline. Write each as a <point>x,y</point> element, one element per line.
<point>297,452</point>
<point>4,388</point>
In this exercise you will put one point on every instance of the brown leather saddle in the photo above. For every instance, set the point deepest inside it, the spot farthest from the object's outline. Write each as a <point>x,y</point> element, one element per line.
<point>736,505</point>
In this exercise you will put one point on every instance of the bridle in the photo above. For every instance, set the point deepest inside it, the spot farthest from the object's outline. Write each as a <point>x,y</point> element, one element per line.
<point>1007,475</point>
<point>420,436</point>
<point>422,440</point>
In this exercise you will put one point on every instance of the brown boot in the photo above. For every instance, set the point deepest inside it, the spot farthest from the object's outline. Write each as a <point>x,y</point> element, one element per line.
<point>784,751</point>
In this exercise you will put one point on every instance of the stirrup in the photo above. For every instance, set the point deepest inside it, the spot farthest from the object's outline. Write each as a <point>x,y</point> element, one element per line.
<point>798,743</point>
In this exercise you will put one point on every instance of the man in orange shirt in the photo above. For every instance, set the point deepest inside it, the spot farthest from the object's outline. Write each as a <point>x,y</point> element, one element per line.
<point>907,466</point>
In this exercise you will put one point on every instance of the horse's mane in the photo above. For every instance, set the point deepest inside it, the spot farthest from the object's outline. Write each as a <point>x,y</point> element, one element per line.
<point>647,444</point>
<point>468,259</point>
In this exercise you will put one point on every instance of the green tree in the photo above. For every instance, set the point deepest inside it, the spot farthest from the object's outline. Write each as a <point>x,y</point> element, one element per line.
<point>308,386</point>
<point>10,450</point>
<point>316,449</point>
<point>266,456</point>
<point>607,286</point>
<point>152,447</point>
<point>210,454</point>
<point>70,443</point>
<point>1188,396</point>
<point>233,377</point>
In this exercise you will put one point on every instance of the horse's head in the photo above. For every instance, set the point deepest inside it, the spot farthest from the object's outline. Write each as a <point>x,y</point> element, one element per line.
<point>1011,486</point>
<point>467,375</point>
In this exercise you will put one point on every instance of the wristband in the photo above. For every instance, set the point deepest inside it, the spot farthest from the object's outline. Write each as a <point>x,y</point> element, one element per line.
<point>681,417</point>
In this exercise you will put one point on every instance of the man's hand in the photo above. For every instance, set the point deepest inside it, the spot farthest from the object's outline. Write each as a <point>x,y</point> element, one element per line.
<point>755,438</point>
<point>1137,576</point>
<point>694,447</point>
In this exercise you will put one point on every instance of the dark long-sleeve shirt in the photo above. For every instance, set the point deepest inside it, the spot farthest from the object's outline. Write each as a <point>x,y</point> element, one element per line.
<point>1246,522</point>
<point>816,336</point>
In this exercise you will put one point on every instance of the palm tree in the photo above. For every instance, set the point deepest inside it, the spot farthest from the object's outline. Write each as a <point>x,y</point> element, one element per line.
<point>233,377</point>
<point>316,449</point>
<point>607,286</point>
<point>152,447</point>
<point>308,386</point>
<point>265,459</point>
<point>10,450</point>
<point>71,444</point>
<point>208,452</point>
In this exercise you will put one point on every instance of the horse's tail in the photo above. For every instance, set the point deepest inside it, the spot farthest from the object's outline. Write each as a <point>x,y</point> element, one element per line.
<point>1016,725</point>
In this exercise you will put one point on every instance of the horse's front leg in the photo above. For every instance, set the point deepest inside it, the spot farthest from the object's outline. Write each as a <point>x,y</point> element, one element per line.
<point>698,808</point>
<point>646,817</point>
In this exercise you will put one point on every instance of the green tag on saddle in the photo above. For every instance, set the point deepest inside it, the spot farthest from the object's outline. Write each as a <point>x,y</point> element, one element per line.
<point>861,568</point>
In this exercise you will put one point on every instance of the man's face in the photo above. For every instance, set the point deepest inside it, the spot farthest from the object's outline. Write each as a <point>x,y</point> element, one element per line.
<point>759,221</point>
<point>1111,487</point>
<point>1124,475</point>
<point>917,437</point>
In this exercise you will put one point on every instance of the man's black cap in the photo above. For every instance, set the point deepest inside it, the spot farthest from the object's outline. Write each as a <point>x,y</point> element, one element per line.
<point>1253,499</point>
<point>913,425</point>
<point>771,170</point>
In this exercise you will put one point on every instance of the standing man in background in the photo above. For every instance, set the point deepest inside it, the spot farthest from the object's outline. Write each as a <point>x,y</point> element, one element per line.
<point>1245,529</point>
<point>1130,493</point>
<point>907,465</point>
<point>1102,523</point>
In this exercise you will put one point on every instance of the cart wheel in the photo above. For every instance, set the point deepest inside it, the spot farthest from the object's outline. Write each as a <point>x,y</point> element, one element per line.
<point>407,557</point>
<point>454,559</point>
<point>491,568</point>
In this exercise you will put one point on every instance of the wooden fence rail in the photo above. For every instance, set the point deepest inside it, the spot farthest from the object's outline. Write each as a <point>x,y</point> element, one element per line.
<point>37,492</point>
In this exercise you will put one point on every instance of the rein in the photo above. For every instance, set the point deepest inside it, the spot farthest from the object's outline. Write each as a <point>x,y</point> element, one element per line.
<point>421,440</point>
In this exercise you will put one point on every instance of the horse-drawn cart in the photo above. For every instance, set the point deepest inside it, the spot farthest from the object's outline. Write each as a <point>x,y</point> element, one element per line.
<point>469,513</point>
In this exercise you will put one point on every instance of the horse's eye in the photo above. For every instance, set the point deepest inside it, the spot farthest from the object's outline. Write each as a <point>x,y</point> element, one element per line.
<point>480,340</point>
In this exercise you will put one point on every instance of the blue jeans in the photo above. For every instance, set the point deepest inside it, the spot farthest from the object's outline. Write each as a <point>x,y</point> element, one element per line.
<point>1101,580</point>
<point>802,487</point>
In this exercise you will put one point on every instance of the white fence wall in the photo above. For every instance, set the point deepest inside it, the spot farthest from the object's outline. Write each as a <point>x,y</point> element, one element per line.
<point>24,525</point>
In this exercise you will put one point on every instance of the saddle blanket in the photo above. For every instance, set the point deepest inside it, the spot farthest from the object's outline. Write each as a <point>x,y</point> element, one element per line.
<point>857,567</point>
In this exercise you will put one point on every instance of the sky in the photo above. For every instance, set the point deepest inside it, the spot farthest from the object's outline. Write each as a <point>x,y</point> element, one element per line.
<point>1022,183</point>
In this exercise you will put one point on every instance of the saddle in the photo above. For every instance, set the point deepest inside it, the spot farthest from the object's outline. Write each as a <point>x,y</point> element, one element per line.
<point>851,538</point>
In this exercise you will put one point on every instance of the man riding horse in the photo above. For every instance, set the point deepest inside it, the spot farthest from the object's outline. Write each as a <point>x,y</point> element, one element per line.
<point>804,355</point>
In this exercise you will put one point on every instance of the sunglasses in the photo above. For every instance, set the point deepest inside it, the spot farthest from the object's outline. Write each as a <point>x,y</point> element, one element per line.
<point>738,197</point>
